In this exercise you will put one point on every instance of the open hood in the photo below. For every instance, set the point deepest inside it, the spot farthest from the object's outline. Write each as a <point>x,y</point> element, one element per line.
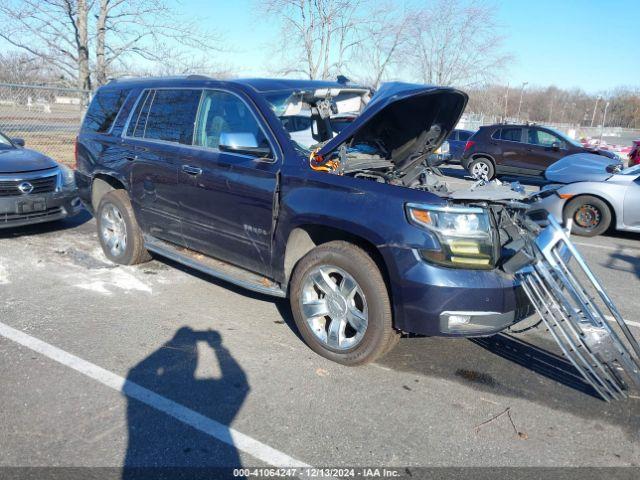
<point>405,121</point>
<point>580,167</point>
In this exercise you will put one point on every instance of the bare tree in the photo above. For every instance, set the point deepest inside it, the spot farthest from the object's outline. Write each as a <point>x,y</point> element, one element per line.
<point>53,30</point>
<point>16,66</point>
<point>456,42</point>
<point>145,29</point>
<point>384,36</point>
<point>316,35</point>
<point>66,32</point>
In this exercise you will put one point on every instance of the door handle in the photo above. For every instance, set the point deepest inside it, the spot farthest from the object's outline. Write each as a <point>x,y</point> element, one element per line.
<point>191,170</point>
<point>131,158</point>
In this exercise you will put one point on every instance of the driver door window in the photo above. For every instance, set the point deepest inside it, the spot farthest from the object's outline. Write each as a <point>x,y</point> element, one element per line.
<point>222,112</point>
<point>543,138</point>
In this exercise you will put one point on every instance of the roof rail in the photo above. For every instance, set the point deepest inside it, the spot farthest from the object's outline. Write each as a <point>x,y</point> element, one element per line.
<point>197,76</point>
<point>123,77</point>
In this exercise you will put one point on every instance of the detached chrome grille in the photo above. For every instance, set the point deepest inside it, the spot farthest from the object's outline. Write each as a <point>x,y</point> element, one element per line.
<point>44,184</point>
<point>571,302</point>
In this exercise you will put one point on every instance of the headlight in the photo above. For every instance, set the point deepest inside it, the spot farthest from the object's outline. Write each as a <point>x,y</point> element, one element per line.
<point>443,149</point>
<point>68,180</point>
<point>464,234</point>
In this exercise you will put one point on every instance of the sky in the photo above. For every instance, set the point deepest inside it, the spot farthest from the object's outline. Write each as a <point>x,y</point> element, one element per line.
<point>590,44</point>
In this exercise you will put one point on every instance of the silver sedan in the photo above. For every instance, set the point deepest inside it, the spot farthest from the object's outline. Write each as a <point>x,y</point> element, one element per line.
<point>592,192</point>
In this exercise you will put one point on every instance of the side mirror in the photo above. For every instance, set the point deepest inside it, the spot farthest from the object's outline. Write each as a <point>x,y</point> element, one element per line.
<point>555,146</point>
<point>614,168</point>
<point>18,141</point>
<point>244,143</point>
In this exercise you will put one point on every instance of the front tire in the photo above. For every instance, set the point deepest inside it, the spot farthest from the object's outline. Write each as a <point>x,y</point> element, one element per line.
<point>591,216</point>
<point>482,167</point>
<point>341,305</point>
<point>118,231</point>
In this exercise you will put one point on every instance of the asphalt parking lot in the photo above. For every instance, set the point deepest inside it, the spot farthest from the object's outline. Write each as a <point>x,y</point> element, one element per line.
<point>104,365</point>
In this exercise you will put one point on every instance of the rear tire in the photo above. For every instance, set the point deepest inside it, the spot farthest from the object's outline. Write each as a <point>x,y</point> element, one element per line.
<point>118,231</point>
<point>591,216</point>
<point>480,167</point>
<point>341,305</point>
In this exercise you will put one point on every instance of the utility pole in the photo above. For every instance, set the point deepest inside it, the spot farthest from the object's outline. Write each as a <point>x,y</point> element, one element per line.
<point>593,117</point>
<point>524,84</point>
<point>604,119</point>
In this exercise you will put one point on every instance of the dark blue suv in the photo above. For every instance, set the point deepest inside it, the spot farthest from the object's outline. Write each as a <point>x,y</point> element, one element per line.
<point>205,173</point>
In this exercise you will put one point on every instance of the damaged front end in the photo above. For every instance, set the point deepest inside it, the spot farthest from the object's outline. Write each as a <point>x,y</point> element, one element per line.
<point>579,314</point>
<point>393,141</point>
<point>566,294</point>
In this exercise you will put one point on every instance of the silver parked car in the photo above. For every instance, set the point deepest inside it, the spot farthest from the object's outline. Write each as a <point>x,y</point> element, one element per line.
<point>595,192</point>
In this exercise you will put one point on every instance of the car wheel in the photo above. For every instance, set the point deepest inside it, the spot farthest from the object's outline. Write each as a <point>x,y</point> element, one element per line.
<point>341,305</point>
<point>482,168</point>
<point>591,216</point>
<point>119,233</point>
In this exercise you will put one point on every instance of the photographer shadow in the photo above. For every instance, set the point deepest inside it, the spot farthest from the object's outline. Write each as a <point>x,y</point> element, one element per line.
<point>160,446</point>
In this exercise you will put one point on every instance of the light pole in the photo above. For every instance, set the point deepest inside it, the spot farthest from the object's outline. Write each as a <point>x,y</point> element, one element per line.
<point>524,84</point>
<point>593,117</point>
<point>604,119</point>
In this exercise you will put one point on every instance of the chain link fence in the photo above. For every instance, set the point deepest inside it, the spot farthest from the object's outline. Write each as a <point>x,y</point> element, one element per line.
<point>47,118</point>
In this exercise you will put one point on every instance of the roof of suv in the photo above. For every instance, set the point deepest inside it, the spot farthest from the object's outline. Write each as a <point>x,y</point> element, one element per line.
<point>257,84</point>
<point>512,125</point>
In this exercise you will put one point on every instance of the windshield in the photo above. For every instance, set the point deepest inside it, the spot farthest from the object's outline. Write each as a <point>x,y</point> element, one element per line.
<point>280,100</point>
<point>565,137</point>
<point>5,142</point>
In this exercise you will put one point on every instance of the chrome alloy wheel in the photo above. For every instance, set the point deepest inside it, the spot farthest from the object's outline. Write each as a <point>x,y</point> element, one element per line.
<point>334,307</point>
<point>480,170</point>
<point>113,230</point>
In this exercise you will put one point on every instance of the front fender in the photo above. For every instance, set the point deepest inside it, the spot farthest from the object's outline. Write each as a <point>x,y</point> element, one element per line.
<point>371,211</point>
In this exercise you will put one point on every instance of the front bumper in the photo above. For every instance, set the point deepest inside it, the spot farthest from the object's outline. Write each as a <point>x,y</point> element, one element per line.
<point>439,301</point>
<point>16,211</point>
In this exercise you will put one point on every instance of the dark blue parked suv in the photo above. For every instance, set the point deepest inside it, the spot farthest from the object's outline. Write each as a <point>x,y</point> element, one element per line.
<point>205,173</point>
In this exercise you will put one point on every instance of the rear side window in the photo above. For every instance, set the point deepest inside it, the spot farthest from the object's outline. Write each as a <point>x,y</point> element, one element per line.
<point>103,110</point>
<point>509,134</point>
<point>172,116</point>
<point>167,115</point>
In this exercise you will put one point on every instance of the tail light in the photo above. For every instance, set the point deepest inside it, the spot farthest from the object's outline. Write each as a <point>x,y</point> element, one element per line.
<point>469,144</point>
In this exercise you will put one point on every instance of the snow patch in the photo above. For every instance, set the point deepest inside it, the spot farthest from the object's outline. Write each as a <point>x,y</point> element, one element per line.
<point>98,287</point>
<point>106,280</point>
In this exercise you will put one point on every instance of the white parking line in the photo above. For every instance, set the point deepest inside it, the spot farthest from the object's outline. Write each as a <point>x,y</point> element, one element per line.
<point>605,247</point>
<point>185,415</point>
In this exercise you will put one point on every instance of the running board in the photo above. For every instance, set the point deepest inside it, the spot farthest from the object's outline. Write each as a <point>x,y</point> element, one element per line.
<point>216,268</point>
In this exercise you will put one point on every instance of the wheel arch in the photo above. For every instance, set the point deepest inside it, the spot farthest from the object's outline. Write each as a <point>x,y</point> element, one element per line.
<point>304,238</point>
<point>103,183</point>
<point>476,156</point>
<point>608,203</point>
